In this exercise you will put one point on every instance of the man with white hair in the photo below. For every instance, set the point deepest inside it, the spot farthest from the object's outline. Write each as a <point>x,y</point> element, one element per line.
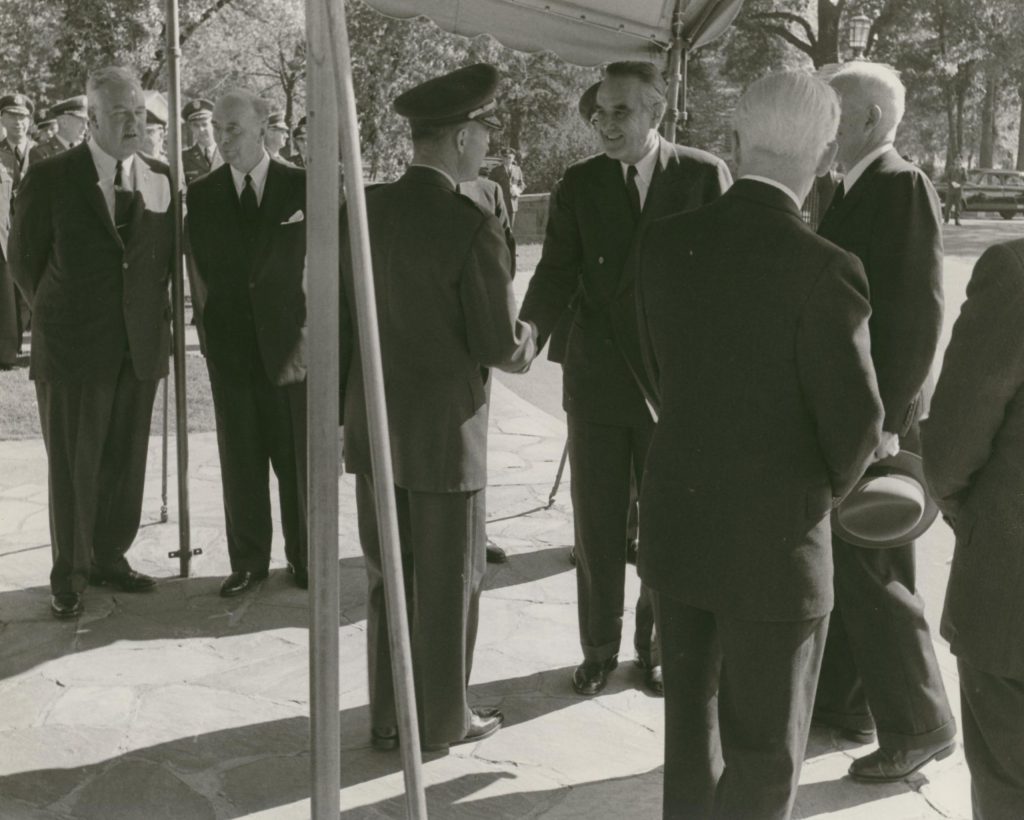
<point>247,242</point>
<point>879,669</point>
<point>758,353</point>
<point>92,249</point>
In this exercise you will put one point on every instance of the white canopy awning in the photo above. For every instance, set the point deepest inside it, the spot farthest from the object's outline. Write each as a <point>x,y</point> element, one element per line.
<point>583,32</point>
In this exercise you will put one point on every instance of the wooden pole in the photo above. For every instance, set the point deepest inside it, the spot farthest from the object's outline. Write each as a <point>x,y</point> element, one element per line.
<point>675,78</point>
<point>322,415</point>
<point>376,409</point>
<point>184,554</point>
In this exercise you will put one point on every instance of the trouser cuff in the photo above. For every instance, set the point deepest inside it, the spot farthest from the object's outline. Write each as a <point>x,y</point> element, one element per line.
<point>892,741</point>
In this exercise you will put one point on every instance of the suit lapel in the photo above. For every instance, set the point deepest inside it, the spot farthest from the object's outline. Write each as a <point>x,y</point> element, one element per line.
<point>837,215</point>
<point>269,209</point>
<point>85,170</point>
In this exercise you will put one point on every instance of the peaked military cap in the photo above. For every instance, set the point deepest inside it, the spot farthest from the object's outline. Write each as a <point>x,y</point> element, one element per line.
<point>197,109</point>
<point>76,106</point>
<point>152,118</point>
<point>16,104</point>
<point>46,118</point>
<point>300,129</point>
<point>588,102</point>
<point>276,120</point>
<point>463,95</point>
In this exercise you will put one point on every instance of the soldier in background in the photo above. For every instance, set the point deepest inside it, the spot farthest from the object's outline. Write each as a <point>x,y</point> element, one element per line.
<point>72,117</point>
<point>276,137</point>
<point>15,115</point>
<point>203,156</point>
<point>153,144</point>
<point>298,155</point>
<point>46,126</point>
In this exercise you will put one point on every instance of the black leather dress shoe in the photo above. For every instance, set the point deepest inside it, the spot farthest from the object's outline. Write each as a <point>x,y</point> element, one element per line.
<point>854,735</point>
<point>495,554</point>
<point>885,766</point>
<point>300,575</point>
<point>66,604</point>
<point>384,740</point>
<point>238,582</point>
<point>126,579</point>
<point>591,677</point>
<point>652,676</point>
<point>483,723</point>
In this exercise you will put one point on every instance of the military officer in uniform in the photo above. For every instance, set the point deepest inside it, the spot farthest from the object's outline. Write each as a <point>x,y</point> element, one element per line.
<point>15,116</point>
<point>447,313</point>
<point>46,126</point>
<point>276,137</point>
<point>203,156</point>
<point>72,117</point>
<point>298,154</point>
<point>156,133</point>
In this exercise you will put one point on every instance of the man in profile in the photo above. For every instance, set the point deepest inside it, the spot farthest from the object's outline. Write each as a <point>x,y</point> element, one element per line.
<point>96,370</point>
<point>447,313</point>
<point>758,355</point>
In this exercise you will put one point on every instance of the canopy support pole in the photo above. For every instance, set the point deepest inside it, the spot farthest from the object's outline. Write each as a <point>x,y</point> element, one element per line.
<point>184,553</point>
<point>322,417</point>
<point>677,67</point>
<point>380,443</point>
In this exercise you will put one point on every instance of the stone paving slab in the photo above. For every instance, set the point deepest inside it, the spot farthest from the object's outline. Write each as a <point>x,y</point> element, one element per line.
<point>182,704</point>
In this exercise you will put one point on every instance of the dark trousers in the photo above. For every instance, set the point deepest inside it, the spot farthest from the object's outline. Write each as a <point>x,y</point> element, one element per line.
<point>605,460</point>
<point>97,438</point>
<point>993,728</point>
<point>10,320</point>
<point>880,668</point>
<point>259,426</point>
<point>738,700</point>
<point>443,562</point>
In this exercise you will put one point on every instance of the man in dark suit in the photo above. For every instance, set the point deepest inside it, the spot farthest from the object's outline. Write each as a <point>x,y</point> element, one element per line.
<point>446,309</point>
<point>93,227</point>
<point>880,668</point>
<point>72,122</point>
<point>203,156</point>
<point>758,355</point>
<point>247,239</point>
<point>10,329</point>
<point>510,177</point>
<point>596,213</point>
<point>972,441</point>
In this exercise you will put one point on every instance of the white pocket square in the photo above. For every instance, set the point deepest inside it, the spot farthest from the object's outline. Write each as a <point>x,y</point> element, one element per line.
<point>298,216</point>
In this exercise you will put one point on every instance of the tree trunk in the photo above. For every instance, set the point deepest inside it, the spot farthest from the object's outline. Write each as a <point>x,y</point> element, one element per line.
<point>1020,134</point>
<point>827,47</point>
<point>988,119</point>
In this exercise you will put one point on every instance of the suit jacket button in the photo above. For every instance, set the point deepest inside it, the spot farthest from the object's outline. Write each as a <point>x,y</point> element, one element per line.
<point>600,260</point>
<point>252,285</point>
<point>124,265</point>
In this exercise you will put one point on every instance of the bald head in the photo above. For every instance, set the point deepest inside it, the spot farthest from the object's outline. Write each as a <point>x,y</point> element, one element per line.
<point>873,100</point>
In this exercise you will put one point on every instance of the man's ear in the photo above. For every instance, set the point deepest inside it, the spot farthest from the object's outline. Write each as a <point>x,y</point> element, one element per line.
<point>874,117</point>
<point>828,158</point>
<point>460,138</point>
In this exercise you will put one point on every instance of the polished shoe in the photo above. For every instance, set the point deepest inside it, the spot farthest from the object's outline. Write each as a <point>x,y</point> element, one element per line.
<point>860,736</point>
<point>495,554</point>
<point>885,766</point>
<point>384,740</point>
<point>66,604</point>
<point>483,723</point>
<point>572,556</point>
<point>300,575</point>
<point>591,677</point>
<point>652,676</point>
<point>632,547</point>
<point>125,579</point>
<point>238,582</point>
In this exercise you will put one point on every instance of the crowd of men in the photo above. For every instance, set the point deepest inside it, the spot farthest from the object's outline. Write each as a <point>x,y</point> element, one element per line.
<point>762,387</point>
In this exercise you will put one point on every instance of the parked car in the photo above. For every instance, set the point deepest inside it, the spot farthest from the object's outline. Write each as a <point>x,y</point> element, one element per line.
<point>990,189</point>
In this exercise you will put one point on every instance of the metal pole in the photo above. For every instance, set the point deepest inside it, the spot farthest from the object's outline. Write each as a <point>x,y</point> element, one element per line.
<point>675,78</point>
<point>558,475</point>
<point>184,553</point>
<point>163,471</point>
<point>322,416</point>
<point>380,444</point>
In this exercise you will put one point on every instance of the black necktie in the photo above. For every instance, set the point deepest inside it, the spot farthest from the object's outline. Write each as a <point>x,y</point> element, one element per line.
<point>839,195</point>
<point>122,204</point>
<point>633,191</point>
<point>247,201</point>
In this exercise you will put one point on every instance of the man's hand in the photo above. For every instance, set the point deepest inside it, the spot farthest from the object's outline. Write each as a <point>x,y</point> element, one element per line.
<point>889,446</point>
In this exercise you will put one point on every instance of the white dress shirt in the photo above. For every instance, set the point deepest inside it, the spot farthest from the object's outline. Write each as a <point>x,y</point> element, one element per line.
<point>106,169</point>
<point>258,175</point>
<point>644,171</point>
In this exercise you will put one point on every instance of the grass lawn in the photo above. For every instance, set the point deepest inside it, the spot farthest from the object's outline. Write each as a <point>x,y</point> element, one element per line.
<point>19,417</point>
